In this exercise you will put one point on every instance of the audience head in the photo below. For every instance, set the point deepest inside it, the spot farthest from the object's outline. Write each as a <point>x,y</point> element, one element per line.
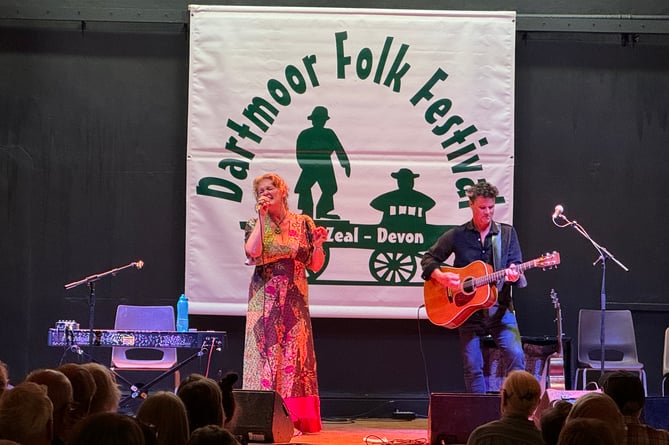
<point>520,394</point>
<point>107,392</point>
<point>108,429</point>
<point>586,431</point>
<point>83,388</point>
<point>626,389</point>
<point>203,400</point>
<point>552,421</point>
<point>26,414</point>
<point>596,405</point>
<point>59,390</point>
<point>212,435</point>
<point>167,414</point>
<point>4,376</point>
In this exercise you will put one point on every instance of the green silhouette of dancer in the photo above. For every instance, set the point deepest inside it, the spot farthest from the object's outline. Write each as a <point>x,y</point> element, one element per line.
<point>404,207</point>
<point>315,146</point>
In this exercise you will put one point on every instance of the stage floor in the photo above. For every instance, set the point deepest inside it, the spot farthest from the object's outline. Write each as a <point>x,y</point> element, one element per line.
<point>368,431</point>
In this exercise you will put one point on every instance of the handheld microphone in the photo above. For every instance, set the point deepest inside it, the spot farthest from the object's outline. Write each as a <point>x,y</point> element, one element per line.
<point>558,211</point>
<point>261,206</point>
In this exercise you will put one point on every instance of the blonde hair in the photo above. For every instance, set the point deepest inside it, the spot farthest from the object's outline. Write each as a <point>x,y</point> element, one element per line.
<point>596,405</point>
<point>107,392</point>
<point>167,413</point>
<point>26,414</point>
<point>520,394</point>
<point>278,182</point>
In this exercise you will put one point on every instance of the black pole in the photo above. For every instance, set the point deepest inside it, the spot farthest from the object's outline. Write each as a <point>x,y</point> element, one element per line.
<point>90,281</point>
<point>603,255</point>
<point>91,312</point>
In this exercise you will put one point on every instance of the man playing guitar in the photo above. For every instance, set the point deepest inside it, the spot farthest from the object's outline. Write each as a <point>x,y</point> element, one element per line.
<point>484,240</point>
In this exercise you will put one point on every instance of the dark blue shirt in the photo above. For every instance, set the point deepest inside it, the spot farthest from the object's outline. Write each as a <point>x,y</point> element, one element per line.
<point>465,242</point>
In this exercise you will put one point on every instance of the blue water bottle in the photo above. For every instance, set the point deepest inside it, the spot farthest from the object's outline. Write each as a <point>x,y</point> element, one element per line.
<point>182,314</point>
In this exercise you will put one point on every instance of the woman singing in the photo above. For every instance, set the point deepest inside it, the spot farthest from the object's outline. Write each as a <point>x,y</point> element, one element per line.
<point>279,349</point>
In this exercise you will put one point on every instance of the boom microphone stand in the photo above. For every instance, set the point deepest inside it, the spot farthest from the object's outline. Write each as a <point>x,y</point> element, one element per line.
<point>90,281</point>
<point>604,254</point>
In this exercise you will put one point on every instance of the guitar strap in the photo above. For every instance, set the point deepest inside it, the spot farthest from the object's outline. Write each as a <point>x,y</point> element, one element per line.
<point>504,294</point>
<point>497,247</point>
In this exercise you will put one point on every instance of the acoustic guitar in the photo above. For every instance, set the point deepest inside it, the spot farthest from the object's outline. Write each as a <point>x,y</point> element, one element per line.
<point>478,290</point>
<point>555,363</point>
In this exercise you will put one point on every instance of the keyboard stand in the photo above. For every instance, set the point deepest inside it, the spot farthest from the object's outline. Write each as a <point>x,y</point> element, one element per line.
<point>142,391</point>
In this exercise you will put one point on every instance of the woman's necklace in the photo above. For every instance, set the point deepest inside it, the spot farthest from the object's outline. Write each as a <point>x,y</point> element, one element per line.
<point>277,229</point>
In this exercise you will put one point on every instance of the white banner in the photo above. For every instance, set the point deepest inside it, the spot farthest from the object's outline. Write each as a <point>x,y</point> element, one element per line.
<point>417,105</point>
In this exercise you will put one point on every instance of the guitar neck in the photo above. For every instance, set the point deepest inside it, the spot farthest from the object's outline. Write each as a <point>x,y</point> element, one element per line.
<point>498,275</point>
<point>559,331</point>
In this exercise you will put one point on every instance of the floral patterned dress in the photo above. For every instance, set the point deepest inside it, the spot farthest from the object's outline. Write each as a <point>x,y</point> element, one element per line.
<point>279,349</point>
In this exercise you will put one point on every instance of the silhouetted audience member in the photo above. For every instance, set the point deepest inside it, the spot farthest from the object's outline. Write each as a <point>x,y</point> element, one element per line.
<point>4,376</point>
<point>203,400</point>
<point>8,442</point>
<point>108,429</point>
<point>552,421</point>
<point>597,405</point>
<point>626,389</point>
<point>167,414</point>
<point>228,399</point>
<point>83,388</point>
<point>107,392</point>
<point>212,435</point>
<point>59,390</point>
<point>519,398</point>
<point>26,414</point>
<point>586,431</point>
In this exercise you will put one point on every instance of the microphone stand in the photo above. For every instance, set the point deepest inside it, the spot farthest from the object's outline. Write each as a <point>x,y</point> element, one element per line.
<point>90,281</point>
<point>603,256</point>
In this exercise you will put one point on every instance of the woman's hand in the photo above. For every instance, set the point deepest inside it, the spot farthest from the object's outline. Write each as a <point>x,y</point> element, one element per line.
<point>318,255</point>
<point>262,205</point>
<point>320,236</point>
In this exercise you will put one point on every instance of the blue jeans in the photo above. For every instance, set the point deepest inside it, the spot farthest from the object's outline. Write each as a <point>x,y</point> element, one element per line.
<point>501,323</point>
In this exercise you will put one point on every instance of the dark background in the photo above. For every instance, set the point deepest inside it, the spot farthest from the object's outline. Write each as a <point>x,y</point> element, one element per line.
<point>93,103</point>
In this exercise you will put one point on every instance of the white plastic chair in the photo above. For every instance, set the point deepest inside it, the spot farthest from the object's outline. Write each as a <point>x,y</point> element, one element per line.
<point>144,318</point>
<point>665,360</point>
<point>620,344</point>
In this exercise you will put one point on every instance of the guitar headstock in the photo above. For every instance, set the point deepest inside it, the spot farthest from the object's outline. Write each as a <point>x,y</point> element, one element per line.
<point>548,261</point>
<point>554,299</point>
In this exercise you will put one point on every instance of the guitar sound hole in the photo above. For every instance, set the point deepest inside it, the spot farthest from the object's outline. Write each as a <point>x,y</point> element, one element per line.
<point>463,297</point>
<point>468,286</point>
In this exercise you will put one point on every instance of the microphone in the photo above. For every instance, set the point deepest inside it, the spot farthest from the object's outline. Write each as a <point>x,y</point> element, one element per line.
<point>261,206</point>
<point>138,264</point>
<point>558,211</point>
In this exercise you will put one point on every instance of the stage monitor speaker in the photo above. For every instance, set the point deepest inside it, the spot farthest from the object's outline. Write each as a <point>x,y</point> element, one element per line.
<point>453,416</point>
<point>261,416</point>
<point>656,412</point>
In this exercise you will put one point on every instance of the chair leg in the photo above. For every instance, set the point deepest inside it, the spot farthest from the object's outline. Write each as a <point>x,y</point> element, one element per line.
<point>576,374</point>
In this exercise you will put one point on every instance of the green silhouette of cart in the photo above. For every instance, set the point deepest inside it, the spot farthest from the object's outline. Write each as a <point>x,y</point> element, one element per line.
<point>396,247</point>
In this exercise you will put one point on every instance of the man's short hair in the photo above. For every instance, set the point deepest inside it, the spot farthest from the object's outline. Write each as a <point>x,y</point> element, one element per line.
<point>484,189</point>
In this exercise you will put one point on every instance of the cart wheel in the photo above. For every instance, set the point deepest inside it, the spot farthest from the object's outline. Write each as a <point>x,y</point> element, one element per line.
<point>312,276</point>
<point>392,267</point>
